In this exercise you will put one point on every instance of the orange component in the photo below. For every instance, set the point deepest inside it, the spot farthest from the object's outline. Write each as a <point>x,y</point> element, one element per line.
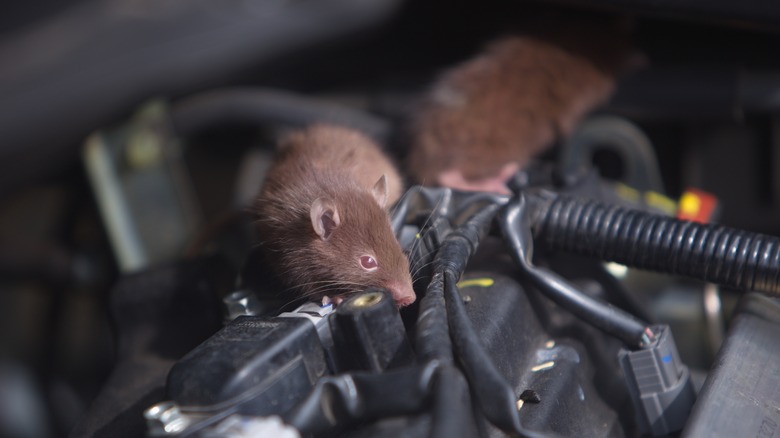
<point>697,206</point>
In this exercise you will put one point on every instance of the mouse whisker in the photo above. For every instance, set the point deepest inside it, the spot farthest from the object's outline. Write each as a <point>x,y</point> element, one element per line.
<point>332,285</point>
<point>338,290</point>
<point>419,269</point>
<point>313,288</point>
<point>426,222</point>
<point>415,263</point>
<point>406,194</point>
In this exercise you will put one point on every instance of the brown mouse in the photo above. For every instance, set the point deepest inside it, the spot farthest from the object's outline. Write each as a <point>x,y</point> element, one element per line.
<point>486,118</point>
<point>321,215</point>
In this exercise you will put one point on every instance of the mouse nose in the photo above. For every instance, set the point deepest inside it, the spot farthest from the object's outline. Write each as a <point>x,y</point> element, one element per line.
<point>403,295</point>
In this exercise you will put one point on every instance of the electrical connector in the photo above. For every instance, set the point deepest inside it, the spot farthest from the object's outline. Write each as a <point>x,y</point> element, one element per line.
<point>659,384</point>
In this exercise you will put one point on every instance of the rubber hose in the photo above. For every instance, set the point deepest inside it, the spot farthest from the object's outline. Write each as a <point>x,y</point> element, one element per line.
<point>707,252</point>
<point>337,401</point>
<point>516,222</point>
<point>258,106</point>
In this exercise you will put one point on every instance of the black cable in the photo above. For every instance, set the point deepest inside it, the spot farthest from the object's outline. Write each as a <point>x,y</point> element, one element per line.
<point>711,253</point>
<point>515,222</point>
<point>257,106</point>
<point>460,244</point>
<point>432,340</point>
<point>338,401</point>
<point>453,415</point>
<point>434,201</point>
<point>494,394</point>
<point>441,201</point>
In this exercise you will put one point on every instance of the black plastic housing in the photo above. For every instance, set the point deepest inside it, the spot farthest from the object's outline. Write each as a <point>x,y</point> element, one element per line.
<point>741,396</point>
<point>553,362</point>
<point>259,366</point>
<point>368,333</point>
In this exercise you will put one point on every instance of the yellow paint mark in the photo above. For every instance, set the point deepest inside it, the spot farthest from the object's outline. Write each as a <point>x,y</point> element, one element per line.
<point>520,404</point>
<point>417,236</point>
<point>481,282</point>
<point>690,204</point>
<point>661,202</point>
<point>627,193</point>
<point>543,366</point>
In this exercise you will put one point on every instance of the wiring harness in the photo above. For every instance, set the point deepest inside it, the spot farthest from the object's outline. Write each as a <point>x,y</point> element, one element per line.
<point>449,373</point>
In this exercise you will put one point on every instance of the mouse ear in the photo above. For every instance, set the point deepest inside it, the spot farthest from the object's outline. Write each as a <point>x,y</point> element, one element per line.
<point>324,217</point>
<point>380,191</point>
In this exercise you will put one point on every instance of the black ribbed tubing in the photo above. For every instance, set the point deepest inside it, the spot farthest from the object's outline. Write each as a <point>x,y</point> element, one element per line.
<point>711,253</point>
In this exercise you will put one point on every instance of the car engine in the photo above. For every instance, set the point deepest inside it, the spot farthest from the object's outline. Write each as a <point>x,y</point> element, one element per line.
<point>626,287</point>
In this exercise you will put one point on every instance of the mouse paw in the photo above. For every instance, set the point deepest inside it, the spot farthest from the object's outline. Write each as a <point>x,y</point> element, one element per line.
<point>454,178</point>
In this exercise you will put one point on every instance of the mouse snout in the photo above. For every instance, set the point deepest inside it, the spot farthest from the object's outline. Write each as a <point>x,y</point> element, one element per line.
<point>403,294</point>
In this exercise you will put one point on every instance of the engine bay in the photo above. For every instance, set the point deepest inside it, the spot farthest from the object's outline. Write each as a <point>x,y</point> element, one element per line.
<point>625,287</point>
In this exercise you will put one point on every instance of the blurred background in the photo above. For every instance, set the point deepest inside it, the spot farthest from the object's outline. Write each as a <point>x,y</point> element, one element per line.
<point>131,132</point>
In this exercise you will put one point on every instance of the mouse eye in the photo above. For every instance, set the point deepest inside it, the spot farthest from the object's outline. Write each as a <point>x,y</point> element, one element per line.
<point>368,263</point>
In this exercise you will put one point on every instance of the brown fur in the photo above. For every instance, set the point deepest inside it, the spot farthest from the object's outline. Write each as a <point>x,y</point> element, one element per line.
<point>511,102</point>
<point>338,164</point>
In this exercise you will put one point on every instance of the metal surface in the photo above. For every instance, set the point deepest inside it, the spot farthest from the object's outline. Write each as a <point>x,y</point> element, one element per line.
<point>241,302</point>
<point>165,418</point>
<point>143,189</point>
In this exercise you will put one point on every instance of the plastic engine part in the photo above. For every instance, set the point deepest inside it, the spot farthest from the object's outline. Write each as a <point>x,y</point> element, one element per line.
<point>369,334</point>
<point>742,393</point>
<point>263,366</point>
<point>659,383</point>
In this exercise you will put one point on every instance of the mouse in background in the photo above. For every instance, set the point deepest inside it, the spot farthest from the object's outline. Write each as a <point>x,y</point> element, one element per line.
<point>486,118</point>
<point>321,216</point>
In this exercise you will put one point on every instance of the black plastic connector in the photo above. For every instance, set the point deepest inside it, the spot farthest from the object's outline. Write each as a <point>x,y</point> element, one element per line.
<point>369,334</point>
<point>253,366</point>
<point>659,384</point>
